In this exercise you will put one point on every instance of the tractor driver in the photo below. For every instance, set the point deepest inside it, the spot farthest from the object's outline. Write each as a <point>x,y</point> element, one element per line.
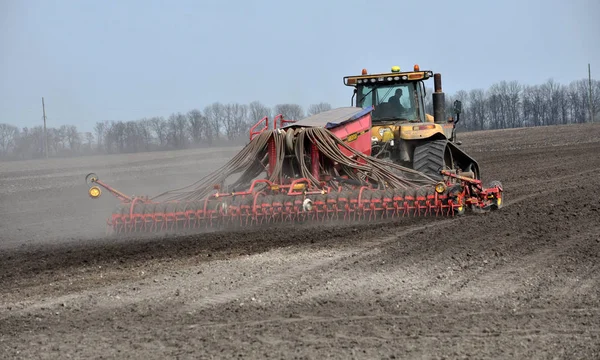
<point>394,103</point>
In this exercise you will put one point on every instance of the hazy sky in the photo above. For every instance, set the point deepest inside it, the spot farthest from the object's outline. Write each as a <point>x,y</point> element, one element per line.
<point>124,60</point>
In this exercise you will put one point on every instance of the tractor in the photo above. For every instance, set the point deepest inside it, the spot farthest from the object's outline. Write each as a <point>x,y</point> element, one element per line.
<point>383,157</point>
<point>402,131</point>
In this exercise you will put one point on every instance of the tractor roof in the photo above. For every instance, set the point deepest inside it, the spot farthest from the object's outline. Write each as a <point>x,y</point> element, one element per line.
<point>390,77</point>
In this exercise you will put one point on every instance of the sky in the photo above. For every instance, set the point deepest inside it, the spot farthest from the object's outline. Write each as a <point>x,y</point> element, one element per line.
<point>125,60</point>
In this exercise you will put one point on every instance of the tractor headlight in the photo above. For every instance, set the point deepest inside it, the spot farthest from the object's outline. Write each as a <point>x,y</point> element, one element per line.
<point>384,130</point>
<point>94,192</point>
<point>386,134</point>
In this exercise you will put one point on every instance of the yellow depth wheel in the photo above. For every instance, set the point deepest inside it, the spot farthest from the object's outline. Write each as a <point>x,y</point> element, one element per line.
<point>95,192</point>
<point>460,210</point>
<point>440,187</point>
<point>497,202</point>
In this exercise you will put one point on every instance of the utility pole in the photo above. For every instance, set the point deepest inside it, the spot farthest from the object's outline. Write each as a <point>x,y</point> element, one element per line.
<point>45,136</point>
<point>590,86</point>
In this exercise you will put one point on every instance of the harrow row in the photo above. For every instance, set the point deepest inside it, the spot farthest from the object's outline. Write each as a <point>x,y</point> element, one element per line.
<point>302,174</point>
<point>223,211</point>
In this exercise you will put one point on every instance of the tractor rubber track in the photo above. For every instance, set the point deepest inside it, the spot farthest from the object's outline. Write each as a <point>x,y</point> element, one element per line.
<point>429,158</point>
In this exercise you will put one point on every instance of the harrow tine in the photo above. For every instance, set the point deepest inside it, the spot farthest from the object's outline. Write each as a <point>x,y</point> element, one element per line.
<point>258,209</point>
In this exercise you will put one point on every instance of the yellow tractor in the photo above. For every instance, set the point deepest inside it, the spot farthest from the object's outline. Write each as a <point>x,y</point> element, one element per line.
<point>402,131</point>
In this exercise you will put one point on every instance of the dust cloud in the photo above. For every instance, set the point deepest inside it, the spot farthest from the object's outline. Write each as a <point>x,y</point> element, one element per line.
<point>46,201</point>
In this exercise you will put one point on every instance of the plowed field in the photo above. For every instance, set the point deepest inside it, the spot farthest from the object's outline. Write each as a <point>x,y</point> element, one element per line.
<point>522,282</point>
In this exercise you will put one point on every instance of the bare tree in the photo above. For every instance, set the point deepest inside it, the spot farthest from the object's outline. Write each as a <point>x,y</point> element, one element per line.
<point>61,136</point>
<point>100,129</point>
<point>243,122</point>
<point>215,115</point>
<point>133,141</point>
<point>533,106</point>
<point>89,138</point>
<point>8,138</point>
<point>177,136</point>
<point>235,120</point>
<point>114,139</point>
<point>478,111</point>
<point>37,141</point>
<point>550,105</point>
<point>160,128</point>
<point>87,147</point>
<point>145,133</point>
<point>318,108</point>
<point>257,111</point>
<point>54,139</point>
<point>23,144</point>
<point>497,105</point>
<point>196,122</point>
<point>73,138</point>
<point>514,104</point>
<point>290,111</point>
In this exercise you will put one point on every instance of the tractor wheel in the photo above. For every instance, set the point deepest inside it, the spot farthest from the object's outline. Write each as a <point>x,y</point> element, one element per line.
<point>432,157</point>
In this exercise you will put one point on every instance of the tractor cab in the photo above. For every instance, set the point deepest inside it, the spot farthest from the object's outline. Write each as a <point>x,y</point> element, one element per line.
<point>394,97</point>
<point>398,97</point>
<point>401,129</point>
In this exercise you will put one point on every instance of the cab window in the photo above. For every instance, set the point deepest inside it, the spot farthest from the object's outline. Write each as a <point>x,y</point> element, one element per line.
<point>392,101</point>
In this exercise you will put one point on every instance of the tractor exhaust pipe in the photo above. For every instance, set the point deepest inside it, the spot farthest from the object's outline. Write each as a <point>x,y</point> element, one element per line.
<point>439,102</point>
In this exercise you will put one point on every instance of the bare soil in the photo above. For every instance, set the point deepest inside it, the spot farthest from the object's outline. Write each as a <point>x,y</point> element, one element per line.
<point>522,282</point>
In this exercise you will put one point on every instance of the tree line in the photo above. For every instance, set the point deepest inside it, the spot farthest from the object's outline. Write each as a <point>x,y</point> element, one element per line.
<point>513,105</point>
<point>503,105</point>
<point>218,124</point>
